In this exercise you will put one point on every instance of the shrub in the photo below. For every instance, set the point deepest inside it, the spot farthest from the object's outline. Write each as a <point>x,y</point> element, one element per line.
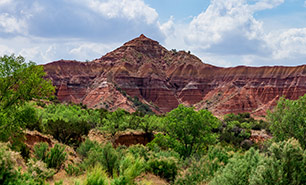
<point>74,170</point>
<point>86,146</point>
<point>163,167</point>
<point>235,132</point>
<point>238,170</point>
<point>96,176</point>
<point>56,157</point>
<point>204,169</point>
<point>284,164</point>
<point>105,156</point>
<point>67,132</point>
<point>7,164</point>
<point>130,168</point>
<point>40,151</point>
<point>39,171</point>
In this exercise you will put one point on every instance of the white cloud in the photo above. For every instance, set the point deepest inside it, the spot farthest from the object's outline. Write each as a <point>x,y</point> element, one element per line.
<point>10,24</point>
<point>86,51</point>
<point>130,9</point>
<point>225,23</point>
<point>265,4</point>
<point>289,44</point>
<point>5,2</point>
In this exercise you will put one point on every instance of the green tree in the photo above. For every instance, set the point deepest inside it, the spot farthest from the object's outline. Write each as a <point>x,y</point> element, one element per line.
<point>188,131</point>
<point>19,82</point>
<point>116,121</point>
<point>288,120</point>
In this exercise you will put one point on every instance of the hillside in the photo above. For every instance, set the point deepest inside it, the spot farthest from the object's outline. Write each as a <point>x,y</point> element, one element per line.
<point>164,79</point>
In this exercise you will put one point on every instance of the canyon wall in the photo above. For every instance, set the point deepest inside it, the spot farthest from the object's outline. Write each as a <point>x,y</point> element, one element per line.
<point>163,79</point>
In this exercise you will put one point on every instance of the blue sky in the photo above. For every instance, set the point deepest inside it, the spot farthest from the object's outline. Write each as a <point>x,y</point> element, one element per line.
<point>220,32</point>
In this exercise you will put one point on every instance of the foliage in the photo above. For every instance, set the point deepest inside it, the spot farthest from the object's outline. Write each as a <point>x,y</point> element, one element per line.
<point>165,167</point>
<point>238,169</point>
<point>7,164</point>
<point>74,169</point>
<point>68,123</point>
<point>116,121</point>
<point>285,163</point>
<point>19,82</point>
<point>53,158</point>
<point>204,169</point>
<point>188,131</point>
<point>67,132</point>
<point>235,132</point>
<point>56,157</point>
<point>39,171</point>
<point>69,113</point>
<point>96,176</point>
<point>106,156</point>
<point>85,147</point>
<point>288,120</point>
<point>130,168</point>
<point>40,151</point>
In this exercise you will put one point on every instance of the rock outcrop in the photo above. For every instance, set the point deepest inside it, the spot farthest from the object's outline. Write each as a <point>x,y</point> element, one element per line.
<point>163,79</point>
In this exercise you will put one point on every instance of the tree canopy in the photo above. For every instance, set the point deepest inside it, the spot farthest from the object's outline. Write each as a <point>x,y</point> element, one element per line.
<point>19,82</point>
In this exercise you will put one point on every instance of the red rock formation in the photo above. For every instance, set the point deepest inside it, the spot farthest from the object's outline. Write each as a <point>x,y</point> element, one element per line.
<point>163,79</point>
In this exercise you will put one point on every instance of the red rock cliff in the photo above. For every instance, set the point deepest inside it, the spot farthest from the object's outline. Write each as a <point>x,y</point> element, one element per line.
<point>163,79</point>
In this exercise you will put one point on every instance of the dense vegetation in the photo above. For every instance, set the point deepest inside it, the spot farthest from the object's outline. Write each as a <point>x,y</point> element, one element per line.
<point>185,146</point>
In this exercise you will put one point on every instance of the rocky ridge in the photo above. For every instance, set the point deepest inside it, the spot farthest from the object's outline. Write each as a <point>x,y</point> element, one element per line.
<point>163,79</point>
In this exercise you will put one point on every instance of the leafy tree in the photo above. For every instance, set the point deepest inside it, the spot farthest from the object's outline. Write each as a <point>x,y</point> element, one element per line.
<point>19,82</point>
<point>116,121</point>
<point>188,131</point>
<point>288,120</point>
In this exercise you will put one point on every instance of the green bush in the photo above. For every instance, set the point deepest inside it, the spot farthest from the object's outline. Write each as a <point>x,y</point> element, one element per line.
<point>164,167</point>
<point>67,132</point>
<point>40,151</point>
<point>238,169</point>
<point>235,132</point>
<point>106,156</point>
<point>7,164</point>
<point>203,170</point>
<point>96,176</point>
<point>86,146</point>
<point>74,170</point>
<point>285,163</point>
<point>56,157</point>
<point>130,168</point>
<point>39,170</point>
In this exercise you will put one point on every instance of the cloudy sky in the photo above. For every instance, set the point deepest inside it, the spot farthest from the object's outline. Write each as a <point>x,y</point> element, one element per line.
<point>220,32</point>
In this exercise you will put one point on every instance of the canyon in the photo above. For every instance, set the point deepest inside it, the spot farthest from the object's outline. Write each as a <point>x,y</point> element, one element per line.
<point>144,72</point>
